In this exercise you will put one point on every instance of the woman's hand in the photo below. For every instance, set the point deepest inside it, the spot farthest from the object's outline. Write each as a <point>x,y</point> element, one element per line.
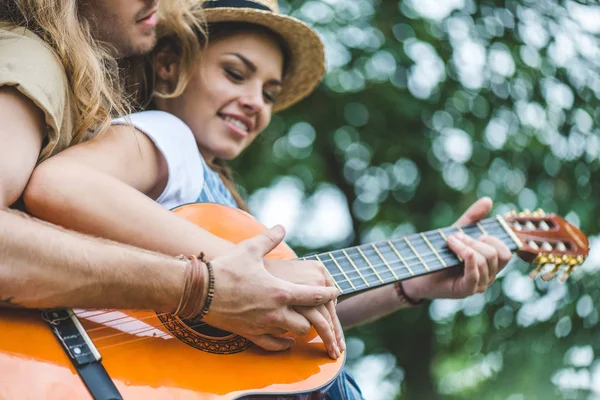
<point>251,302</point>
<point>483,259</point>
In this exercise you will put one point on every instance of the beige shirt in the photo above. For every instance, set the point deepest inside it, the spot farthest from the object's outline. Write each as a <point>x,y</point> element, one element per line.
<point>33,68</point>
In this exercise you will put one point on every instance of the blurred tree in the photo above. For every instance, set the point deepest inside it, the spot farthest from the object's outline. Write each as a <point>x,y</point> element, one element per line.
<point>427,105</point>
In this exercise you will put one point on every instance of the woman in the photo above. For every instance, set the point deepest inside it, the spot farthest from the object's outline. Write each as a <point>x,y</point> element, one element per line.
<point>254,64</point>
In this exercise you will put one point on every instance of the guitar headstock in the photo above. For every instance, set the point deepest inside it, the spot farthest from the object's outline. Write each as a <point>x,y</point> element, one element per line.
<point>547,239</point>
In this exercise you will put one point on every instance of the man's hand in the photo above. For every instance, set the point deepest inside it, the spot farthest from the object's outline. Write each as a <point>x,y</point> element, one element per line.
<point>312,273</point>
<point>483,259</point>
<point>251,302</point>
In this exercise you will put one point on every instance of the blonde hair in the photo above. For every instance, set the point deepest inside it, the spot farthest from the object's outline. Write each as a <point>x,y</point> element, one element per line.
<point>91,67</point>
<point>183,28</point>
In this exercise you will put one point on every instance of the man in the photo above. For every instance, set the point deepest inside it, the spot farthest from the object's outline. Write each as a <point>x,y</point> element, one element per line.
<point>60,90</point>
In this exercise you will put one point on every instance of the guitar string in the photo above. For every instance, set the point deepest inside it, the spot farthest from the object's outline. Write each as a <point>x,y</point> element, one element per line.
<point>429,257</point>
<point>401,275</point>
<point>152,327</point>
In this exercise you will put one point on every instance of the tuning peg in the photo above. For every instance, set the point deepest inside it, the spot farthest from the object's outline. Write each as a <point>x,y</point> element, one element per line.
<point>550,274</point>
<point>511,213</point>
<point>525,213</point>
<point>541,259</point>
<point>565,275</point>
<point>534,274</point>
<point>540,212</point>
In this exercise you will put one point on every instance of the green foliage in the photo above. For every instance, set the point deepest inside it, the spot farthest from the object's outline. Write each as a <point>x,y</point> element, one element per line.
<point>427,106</point>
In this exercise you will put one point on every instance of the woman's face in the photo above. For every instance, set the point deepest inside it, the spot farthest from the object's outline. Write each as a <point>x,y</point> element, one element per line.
<point>229,98</point>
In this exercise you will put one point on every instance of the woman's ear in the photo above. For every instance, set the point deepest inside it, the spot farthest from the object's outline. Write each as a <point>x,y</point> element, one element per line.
<point>166,68</point>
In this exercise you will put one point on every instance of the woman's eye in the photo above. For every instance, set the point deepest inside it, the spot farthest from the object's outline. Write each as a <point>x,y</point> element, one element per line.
<point>270,97</point>
<point>234,74</point>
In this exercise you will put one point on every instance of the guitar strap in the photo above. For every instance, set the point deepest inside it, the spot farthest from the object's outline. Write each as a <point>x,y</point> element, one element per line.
<point>83,354</point>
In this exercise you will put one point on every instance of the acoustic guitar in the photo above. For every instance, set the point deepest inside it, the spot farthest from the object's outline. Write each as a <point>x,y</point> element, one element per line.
<point>158,356</point>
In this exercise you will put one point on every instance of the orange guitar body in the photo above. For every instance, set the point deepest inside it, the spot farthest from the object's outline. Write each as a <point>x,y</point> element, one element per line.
<point>146,360</point>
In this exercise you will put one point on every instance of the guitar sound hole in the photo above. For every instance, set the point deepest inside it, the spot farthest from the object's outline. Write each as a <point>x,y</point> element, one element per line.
<point>205,329</point>
<point>204,337</point>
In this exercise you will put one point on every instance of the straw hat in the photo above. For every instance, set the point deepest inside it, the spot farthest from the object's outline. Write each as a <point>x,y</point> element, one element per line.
<point>307,58</point>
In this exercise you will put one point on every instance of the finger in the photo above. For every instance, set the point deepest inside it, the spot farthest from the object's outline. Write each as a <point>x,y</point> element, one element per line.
<point>477,211</point>
<point>275,331</point>
<point>323,326</point>
<point>272,343</point>
<point>296,323</point>
<point>262,244</point>
<point>487,251</point>
<point>504,253</point>
<point>467,284</point>
<point>304,295</point>
<point>329,281</point>
<point>337,325</point>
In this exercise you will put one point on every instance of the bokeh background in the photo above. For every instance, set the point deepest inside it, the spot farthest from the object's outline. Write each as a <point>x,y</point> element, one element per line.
<point>426,106</point>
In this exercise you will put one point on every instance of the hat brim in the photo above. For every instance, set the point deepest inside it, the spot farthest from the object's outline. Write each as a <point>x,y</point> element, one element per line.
<point>307,56</point>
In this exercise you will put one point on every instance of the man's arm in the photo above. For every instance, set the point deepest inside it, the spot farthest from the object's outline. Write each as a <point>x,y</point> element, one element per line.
<point>44,266</point>
<point>102,188</point>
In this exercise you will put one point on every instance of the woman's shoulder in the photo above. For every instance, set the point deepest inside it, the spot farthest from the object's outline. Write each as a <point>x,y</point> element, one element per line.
<point>154,120</point>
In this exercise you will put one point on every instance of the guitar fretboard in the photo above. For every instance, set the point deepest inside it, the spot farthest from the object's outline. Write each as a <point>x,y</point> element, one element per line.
<point>376,264</point>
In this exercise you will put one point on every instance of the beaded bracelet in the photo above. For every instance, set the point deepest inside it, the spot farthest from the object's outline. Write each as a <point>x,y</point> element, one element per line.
<point>211,286</point>
<point>404,298</point>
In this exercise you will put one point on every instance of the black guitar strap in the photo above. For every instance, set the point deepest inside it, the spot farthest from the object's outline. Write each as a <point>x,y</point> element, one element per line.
<point>83,354</point>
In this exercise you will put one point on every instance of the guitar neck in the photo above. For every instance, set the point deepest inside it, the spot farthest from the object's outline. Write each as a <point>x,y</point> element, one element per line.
<point>368,266</point>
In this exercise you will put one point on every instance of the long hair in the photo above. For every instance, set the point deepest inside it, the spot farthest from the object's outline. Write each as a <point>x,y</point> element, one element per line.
<point>182,26</point>
<point>90,68</point>
<point>143,78</point>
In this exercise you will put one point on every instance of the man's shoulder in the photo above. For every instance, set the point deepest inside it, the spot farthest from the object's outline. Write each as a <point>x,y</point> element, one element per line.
<point>21,47</point>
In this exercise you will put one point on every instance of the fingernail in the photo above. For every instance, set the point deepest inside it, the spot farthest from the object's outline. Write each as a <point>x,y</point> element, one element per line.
<point>460,236</point>
<point>343,344</point>
<point>331,351</point>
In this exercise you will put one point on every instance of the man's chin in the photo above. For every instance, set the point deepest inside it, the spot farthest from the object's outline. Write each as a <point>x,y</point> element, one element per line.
<point>142,46</point>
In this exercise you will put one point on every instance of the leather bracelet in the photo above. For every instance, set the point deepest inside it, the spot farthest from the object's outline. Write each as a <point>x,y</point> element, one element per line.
<point>211,286</point>
<point>192,300</point>
<point>404,298</point>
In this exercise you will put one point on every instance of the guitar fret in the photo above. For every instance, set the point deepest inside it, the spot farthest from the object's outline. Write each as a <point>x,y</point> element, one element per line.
<point>342,270</point>
<point>433,249</point>
<point>367,261</point>
<point>353,265</point>
<point>336,284</point>
<point>441,232</point>
<point>389,242</point>
<point>326,270</point>
<point>416,253</point>
<point>384,261</point>
<point>481,228</point>
<point>333,279</point>
<point>445,238</point>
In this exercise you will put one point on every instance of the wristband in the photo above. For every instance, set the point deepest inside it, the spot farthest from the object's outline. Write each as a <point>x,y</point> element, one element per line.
<point>404,298</point>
